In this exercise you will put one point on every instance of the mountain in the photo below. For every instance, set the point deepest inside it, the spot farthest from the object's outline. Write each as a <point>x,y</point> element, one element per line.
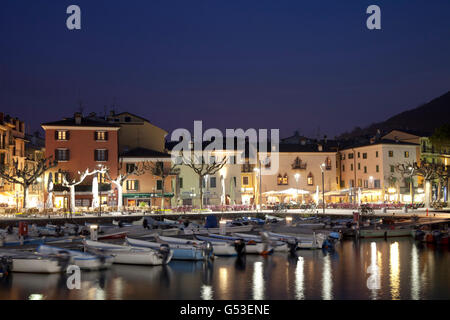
<point>424,118</point>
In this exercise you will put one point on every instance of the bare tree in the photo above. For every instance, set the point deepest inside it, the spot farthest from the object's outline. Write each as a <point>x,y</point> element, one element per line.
<point>428,172</point>
<point>159,170</point>
<point>71,183</point>
<point>408,172</point>
<point>136,170</point>
<point>203,167</point>
<point>27,175</point>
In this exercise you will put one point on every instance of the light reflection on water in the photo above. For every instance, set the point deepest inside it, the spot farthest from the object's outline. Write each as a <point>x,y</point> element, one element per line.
<point>405,270</point>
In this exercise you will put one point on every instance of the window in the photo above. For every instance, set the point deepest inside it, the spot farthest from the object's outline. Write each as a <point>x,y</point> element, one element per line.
<point>101,136</point>
<point>282,179</point>
<point>376,154</point>
<point>328,163</point>
<point>62,135</point>
<point>365,155</point>
<point>343,156</point>
<point>377,168</point>
<point>392,169</point>
<point>133,185</point>
<point>350,155</point>
<point>180,182</point>
<point>342,184</point>
<point>351,183</point>
<point>359,155</point>
<point>365,169</point>
<point>406,154</point>
<point>130,167</point>
<point>343,167</point>
<point>245,181</point>
<point>101,177</point>
<point>366,183</point>
<point>62,154</point>
<point>359,166</point>
<point>127,119</point>
<point>285,179</point>
<point>310,179</point>
<point>101,155</point>
<point>212,182</point>
<point>58,177</point>
<point>377,183</point>
<point>158,184</point>
<point>359,182</point>
<point>351,166</point>
<point>391,153</point>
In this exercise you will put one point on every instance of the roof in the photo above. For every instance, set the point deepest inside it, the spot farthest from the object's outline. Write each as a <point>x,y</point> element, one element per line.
<point>381,141</point>
<point>85,122</point>
<point>413,132</point>
<point>144,153</point>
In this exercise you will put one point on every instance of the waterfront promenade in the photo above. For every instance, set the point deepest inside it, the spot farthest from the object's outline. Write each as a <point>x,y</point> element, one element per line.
<point>109,217</point>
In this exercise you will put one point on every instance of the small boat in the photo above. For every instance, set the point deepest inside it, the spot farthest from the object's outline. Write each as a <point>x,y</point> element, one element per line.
<point>180,251</point>
<point>84,260</point>
<point>228,229</point>
<point>278,246</point>
<point>35,263</point>
<point>131,255</point>
<point>384,233</point>
<point>251,246</point>
<point>219,248</point>
<point>113,235</point>
<point>303,242</point>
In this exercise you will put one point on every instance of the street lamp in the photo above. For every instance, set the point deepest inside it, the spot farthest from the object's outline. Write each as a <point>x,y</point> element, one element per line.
<point>322,168</point>
<point>297,176</point>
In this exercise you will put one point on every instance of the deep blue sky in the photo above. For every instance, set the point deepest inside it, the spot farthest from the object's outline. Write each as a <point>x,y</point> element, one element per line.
<point>262,64</point>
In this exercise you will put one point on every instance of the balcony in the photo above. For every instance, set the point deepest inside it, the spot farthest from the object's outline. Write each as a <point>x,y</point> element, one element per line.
<point>298,164</point>
<point>247,167</point>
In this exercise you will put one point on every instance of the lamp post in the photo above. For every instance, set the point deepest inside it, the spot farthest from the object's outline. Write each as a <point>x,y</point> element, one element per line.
<point>322,168</point>
<point>297,176</point>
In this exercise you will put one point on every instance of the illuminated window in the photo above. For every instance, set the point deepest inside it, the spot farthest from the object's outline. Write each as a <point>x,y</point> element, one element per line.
<point>101,135</point>
<point>406,154</point>
<point>245,181</point>
<point>61,135</point>
<point>101,177</point>
<point>133,185</point>
<point>391,153</point>
<point>285,179</point>
<point>310,179</point>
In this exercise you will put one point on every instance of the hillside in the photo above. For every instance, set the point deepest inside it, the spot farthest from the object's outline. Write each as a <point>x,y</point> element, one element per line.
<point>424,118</point>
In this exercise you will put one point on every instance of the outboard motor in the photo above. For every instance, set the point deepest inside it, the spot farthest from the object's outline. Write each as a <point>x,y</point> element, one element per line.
<point>5,265</point>
<point>292,245</point>
<point>120,224</point>
<point>239,246</point>
<point>208,250</point>
<point>164,252</point>
<point>64,259</point>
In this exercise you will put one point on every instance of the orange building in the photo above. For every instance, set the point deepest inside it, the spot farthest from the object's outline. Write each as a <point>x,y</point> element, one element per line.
<point>81,143</point>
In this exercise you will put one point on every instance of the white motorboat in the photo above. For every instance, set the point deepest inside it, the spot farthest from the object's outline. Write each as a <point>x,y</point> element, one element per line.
<point>219,248</point>
<point>251,246</point>
<point>303,242</point>
<point>84,260</point>
<point>35,263</point>
<point>278,246</point>
<point>131,255</point>
<point>180,251</point>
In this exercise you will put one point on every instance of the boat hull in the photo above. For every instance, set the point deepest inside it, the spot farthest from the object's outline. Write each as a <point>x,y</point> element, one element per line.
<point>384,233</point>
<point>35,265</point>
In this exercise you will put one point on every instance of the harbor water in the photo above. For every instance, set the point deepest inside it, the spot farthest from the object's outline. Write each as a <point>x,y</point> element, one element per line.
<point>397,268</point>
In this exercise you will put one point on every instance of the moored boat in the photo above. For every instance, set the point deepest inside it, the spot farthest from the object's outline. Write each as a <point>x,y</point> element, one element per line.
<point>131,255</point>
<point>384,233</point>
<point>219,248</point>
<point>84,260</point>
<point>35,263</point>
<point>180,251</point>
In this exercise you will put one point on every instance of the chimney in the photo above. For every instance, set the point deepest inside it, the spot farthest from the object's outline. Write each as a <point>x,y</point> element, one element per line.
<point>77,116</point>
<point>319,147</point>
<point>325,139</point>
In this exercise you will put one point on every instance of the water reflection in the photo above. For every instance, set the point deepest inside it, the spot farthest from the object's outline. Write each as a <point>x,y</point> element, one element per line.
<point>373,282</point>
<point>310,275</point>
<point>415,274</point>
<point>258,281</point>
<point>299,279</point>
<point>394,268</point>
<point>327,279</point>
<point>206,292</point>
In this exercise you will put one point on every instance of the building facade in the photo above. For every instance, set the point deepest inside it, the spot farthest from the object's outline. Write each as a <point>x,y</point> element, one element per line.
<point>79,144</point>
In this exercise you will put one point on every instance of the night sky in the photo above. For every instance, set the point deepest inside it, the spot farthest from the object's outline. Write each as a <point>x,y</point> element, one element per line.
<point>292,65</point>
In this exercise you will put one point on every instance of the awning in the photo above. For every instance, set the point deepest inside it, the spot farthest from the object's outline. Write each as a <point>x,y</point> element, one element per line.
<point>147,195</point>
<point>287,192</point>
